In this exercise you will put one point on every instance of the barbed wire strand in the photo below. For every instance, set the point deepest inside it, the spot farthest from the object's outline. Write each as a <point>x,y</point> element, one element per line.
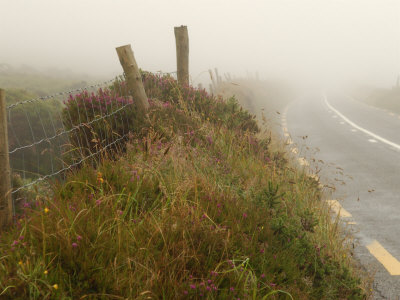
<point>58,94</point>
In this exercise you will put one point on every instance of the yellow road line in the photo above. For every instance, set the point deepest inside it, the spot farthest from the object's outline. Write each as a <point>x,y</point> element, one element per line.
<point>338,209</point>
<point>391,264</point>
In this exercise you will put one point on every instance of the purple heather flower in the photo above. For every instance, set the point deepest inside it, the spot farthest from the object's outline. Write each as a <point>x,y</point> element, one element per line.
<point>78,238</point>
<point>193,286</point>
<point>74,245</point>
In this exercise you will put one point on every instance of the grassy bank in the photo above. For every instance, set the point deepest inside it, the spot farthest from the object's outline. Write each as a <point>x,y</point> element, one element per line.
<point>201,205</point>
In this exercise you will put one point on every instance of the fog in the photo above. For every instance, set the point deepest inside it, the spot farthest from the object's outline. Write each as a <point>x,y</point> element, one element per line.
<point>307,41</point>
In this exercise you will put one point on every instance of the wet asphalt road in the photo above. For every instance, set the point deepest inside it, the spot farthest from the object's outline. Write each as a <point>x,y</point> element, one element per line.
<point>358,149</point>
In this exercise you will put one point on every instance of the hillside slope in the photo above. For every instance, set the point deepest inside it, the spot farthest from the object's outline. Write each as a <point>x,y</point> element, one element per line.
<point>200,205</point>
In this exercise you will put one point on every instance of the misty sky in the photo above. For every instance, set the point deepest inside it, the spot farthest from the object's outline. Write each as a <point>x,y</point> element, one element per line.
<point>332,40</point>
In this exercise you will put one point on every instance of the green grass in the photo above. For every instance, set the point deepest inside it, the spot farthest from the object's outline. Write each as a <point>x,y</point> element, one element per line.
<point>201,206</point>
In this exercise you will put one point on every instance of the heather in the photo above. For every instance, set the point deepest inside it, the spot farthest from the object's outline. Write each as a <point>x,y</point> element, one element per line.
<point>199,203</point>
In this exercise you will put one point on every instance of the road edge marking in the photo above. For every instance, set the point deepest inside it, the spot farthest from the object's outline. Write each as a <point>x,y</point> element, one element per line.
<point>391,264</point>
<point>383,140</point>
<point>338,209</point>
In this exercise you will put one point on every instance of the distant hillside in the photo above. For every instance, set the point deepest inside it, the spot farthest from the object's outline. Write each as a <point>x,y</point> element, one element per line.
<point>41,83</point>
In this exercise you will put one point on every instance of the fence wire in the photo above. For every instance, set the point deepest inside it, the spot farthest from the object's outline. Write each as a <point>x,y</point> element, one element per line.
<point>51,135</point>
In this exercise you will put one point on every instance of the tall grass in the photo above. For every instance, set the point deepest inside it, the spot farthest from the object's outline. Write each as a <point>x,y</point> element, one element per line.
<point>201,206</point>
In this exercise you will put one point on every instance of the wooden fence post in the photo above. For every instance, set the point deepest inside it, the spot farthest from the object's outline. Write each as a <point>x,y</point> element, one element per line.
<point>210,87</point>
<point>182,54</point>
<point>217,76</point>
<point>5,173</point>
<point>133,77</point>
<point>214,83</point>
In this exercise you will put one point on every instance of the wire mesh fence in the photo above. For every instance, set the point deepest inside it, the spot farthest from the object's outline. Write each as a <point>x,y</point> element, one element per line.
<point>51,135</point>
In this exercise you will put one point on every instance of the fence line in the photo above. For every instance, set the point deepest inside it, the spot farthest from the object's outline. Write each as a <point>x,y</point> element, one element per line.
<point>99,115</point>
<point>50,135</point>
<point>60,94</point>
<point>61,131</point>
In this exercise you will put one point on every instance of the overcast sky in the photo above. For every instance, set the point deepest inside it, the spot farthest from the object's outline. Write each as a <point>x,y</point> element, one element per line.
<point>355,40</point>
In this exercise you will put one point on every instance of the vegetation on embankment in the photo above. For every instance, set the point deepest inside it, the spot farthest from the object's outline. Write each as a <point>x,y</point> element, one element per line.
<point>200,205</point>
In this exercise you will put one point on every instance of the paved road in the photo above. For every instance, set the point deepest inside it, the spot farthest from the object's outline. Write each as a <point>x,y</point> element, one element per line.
<point>360,149</point>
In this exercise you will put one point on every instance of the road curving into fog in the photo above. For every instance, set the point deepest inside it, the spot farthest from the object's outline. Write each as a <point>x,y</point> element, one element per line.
<point>357,148</point>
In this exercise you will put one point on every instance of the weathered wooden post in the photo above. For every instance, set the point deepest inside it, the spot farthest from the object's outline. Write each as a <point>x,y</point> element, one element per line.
<point>5,173</point>
<point>217,76</point>
<point>133,77</point>
<point>210,87</point>
<point>182,54</point>
<point>214,84</point>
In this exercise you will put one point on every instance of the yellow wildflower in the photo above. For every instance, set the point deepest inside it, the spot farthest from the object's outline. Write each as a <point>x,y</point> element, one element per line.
<point>20,262</point>
<point>45,272</point>
<point>46,210</point>
<point>100,177</point>
<point>55,286</point>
